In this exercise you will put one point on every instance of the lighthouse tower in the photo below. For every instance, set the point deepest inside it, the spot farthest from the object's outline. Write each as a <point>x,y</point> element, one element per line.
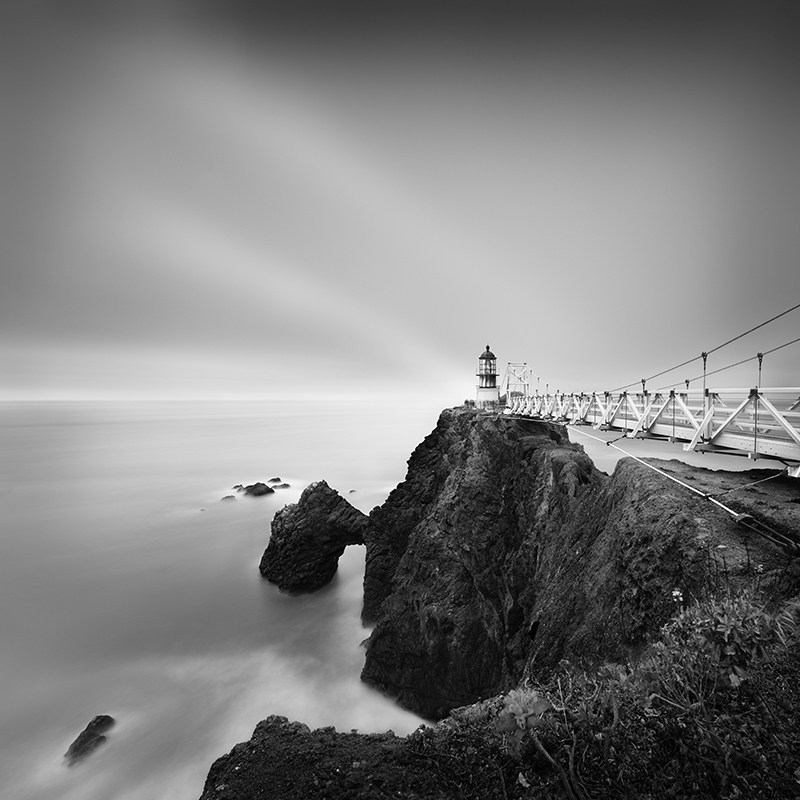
<point>488,395</point>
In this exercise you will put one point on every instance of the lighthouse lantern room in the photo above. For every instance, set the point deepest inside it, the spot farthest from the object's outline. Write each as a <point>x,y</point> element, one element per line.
<point>488,394</point>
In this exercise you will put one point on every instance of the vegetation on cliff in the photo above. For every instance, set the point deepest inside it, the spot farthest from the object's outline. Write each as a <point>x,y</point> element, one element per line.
<point>709,710</point>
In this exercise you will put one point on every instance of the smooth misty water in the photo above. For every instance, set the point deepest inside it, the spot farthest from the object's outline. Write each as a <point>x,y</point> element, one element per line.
<point>127,588</point>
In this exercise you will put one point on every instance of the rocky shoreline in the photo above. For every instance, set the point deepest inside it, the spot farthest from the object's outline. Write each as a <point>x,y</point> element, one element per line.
<point>504,553</point>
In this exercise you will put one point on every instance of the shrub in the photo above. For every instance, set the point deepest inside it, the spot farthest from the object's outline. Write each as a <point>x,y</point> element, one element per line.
<point>679,723</point>
<point>708,711</point>
<point>734,631</point>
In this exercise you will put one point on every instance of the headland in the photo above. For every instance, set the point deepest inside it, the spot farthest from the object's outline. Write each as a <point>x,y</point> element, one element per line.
<point>545,616</point>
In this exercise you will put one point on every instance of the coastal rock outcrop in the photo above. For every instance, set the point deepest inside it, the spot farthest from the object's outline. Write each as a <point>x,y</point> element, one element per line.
<point>308,537</point>
<point>258,489</point>
<point>89,739</point>
<point>505,550</point>
<point>286,760</point>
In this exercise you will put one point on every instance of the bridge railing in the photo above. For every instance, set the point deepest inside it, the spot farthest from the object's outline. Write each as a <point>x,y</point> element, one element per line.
<point>760,422</point>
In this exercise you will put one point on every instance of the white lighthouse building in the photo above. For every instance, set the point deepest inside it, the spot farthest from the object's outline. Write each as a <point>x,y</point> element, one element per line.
<point>488,394</point>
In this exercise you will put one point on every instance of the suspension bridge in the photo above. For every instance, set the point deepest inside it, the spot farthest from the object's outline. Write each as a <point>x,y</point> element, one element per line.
<point>754,422</point>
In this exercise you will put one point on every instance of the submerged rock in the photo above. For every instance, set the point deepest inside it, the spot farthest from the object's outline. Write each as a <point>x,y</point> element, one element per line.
<point>308,537</point>
<point>90,738</point>
<point>258,489</point>
<point>228,497</point>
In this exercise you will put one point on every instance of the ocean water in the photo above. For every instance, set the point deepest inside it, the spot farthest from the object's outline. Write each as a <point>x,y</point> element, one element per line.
<point>127,588</point>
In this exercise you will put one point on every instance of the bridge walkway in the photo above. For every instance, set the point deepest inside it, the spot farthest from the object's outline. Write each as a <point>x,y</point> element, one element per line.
<point>754,423</point>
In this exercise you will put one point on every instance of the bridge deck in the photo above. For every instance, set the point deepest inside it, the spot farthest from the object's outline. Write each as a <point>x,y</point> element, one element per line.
<point>756,423</point>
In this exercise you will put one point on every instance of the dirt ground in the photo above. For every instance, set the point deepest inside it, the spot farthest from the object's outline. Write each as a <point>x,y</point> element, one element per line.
<point>767,495</point>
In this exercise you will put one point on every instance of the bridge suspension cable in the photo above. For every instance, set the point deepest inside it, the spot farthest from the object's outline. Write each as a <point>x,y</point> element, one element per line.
<point>777,316</point>
<point>789,546</point>
<point>706,353</point>
<point>758,356</point>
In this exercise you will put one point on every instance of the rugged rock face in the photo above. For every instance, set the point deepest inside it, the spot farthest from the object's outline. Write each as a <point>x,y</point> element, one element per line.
<point>308,537</point>
<point>505,550</point>
<point>287,761</point>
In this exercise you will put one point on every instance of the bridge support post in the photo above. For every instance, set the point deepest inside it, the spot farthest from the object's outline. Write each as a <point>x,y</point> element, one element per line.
<point>707,431</point>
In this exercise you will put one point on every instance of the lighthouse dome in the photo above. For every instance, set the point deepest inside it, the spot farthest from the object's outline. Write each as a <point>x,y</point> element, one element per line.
<point>487,354</point>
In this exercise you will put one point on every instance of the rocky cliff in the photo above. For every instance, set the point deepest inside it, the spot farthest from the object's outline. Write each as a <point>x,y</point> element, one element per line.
<point>505,550</point>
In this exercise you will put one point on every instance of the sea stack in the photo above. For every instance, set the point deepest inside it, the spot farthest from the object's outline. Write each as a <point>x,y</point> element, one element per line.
<point>89,739</point>
<point>308,537</point>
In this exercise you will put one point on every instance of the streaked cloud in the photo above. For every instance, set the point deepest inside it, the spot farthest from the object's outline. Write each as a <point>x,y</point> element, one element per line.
<point>273,193</point>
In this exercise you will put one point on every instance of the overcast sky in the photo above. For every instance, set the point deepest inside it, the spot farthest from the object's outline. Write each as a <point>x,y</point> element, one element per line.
<point>199,199</point>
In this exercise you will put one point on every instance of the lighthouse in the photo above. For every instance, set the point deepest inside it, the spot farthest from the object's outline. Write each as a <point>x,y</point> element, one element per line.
<point>488,395</point>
